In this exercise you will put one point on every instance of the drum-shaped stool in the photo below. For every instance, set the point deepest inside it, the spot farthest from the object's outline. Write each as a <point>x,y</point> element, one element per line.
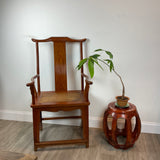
<point>128,131</point>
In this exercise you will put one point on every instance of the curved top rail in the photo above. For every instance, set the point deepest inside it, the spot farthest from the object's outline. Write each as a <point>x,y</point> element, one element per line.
<point>59,39</point>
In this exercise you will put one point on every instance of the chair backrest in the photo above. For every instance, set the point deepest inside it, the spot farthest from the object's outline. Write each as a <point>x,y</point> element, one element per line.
<point>59,60</point>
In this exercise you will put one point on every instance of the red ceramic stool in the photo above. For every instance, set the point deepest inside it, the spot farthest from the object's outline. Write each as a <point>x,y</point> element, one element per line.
<point>128,131</point>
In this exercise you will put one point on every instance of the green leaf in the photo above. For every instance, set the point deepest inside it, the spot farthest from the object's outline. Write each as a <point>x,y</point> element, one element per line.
<point>110,54</point>
<point>95,56</point>
<point>96,61</point>
<point>81,63</point>
<point>110,63</point>
<point>97,50</point>
<point>111,67</point>
<point>91,67</point>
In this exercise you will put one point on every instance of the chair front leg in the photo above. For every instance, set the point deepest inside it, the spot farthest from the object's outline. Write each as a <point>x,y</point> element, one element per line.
<point>85,124</point>
<point>36,127</point>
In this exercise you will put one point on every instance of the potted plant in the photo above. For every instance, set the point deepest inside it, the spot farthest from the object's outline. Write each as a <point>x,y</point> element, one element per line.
<point>122,100</point>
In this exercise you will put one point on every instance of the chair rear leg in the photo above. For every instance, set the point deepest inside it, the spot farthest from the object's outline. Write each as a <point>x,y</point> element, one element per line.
<point>41,125</point>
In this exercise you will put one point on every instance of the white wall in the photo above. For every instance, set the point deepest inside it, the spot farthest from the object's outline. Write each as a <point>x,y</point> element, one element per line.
<point>128,28</point>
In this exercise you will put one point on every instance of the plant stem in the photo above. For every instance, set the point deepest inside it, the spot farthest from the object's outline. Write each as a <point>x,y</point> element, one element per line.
<point>123,87</point>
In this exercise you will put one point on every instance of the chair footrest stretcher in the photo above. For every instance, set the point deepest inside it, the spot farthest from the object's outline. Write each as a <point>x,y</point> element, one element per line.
<point>71,117</point>
<point>64,142</point>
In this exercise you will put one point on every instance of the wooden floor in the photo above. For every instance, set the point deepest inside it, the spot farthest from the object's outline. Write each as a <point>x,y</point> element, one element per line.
<point>17,137</point>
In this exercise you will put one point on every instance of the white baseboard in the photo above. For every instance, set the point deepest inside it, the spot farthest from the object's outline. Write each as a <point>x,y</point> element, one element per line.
<point>25,116</point>
<point>94,122</point>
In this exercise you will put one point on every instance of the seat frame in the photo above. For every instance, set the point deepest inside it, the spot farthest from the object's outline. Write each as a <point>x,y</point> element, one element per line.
<point>60,86</point>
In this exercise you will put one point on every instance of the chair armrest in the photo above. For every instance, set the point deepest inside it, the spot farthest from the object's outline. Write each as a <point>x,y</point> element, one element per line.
<point>87,79</point>
<point>32,80</point>
<point>88,83</point>
<point>32,88</point>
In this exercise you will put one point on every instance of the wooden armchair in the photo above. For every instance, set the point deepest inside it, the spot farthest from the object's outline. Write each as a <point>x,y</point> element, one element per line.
<point>61,99</point>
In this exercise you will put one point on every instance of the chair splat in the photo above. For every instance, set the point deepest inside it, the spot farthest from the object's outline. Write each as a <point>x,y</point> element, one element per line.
<point>60,66</point>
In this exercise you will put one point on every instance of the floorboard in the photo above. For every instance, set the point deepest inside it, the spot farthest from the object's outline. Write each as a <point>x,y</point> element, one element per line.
<point>18,137</point>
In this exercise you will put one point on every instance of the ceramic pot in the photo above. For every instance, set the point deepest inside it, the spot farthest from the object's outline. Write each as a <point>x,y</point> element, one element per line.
<point>122,102</point>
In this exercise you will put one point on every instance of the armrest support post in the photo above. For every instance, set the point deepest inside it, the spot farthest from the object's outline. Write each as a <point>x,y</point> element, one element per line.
<point>33,89</point>
<point>88,83</point>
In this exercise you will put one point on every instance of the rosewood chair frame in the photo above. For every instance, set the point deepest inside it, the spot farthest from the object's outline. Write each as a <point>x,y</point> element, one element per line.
<point>61,99</point>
